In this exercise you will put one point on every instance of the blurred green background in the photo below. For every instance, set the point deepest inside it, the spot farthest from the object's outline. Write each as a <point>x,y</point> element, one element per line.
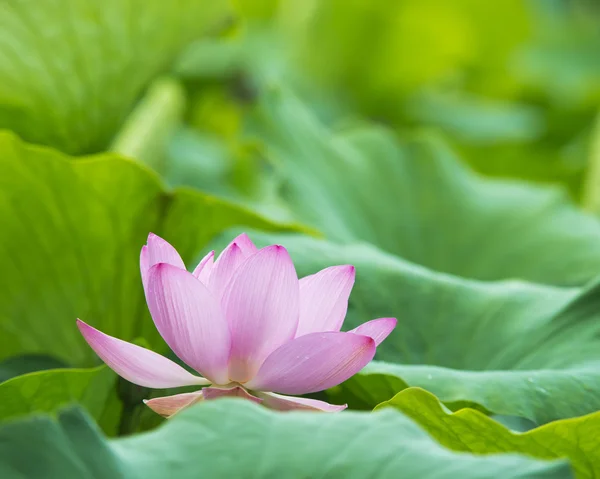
<point>513,86</point>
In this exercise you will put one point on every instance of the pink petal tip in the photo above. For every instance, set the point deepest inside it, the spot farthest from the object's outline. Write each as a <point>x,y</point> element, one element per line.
<point>377,329</point>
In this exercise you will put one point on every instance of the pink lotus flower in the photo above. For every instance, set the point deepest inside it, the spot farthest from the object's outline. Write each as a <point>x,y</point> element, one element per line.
<point>247,325</point>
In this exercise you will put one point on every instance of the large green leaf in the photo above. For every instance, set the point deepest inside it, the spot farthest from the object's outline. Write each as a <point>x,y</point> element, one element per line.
<point>470,431</point>
<point>416,200</point>
<point>71,236</point>
<point>48,391</point>
<point>233,438</point>
<point>28,363</point>
<point>512,348</point>
<point>41,447</point>
<point>70,70</point>
<point>540,395</point>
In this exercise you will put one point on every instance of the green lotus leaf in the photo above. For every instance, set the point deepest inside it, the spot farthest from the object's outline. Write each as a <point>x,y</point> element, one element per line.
<point>468,430</point>
<point>70,71</point>
<point>231,438</point>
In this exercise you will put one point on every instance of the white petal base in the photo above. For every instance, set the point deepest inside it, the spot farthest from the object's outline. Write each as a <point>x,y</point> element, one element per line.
<point>279,402</point>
